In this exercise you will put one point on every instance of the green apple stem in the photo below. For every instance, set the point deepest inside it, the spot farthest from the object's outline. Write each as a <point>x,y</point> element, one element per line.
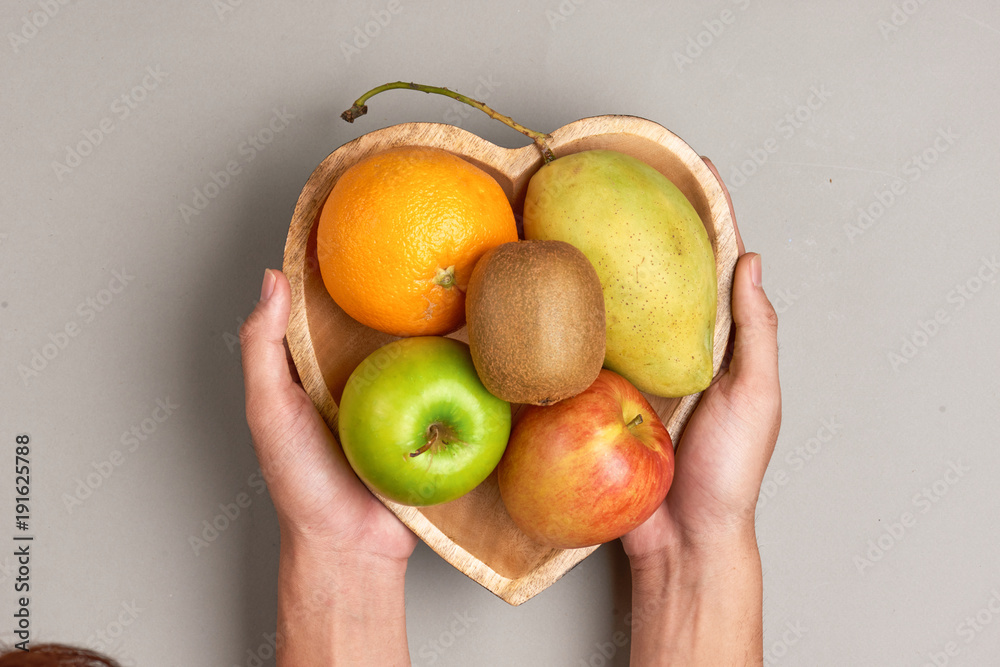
<point>433,434</point>
<point>635,421</point>
<point>421,450</point>
<point>541,139</point>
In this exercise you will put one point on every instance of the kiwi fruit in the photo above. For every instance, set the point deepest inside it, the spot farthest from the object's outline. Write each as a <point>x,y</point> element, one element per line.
<point>535,316</point>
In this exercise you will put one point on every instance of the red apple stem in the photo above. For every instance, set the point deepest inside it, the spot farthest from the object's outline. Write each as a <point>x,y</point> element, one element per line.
<point>635,421</point>
<point>540,138</point>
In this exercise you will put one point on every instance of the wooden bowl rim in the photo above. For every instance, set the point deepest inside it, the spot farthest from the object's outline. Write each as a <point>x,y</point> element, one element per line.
<point>525,159</point>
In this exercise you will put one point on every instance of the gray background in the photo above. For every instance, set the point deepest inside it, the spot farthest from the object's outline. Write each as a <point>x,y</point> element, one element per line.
<point>877,525</point>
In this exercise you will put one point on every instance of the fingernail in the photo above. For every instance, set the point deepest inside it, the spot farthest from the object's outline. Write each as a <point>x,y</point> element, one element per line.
<point>267,287</point>
<point>755,270</point>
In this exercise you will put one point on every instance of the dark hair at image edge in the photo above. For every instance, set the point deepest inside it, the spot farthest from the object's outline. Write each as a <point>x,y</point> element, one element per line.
<point>54,655</point>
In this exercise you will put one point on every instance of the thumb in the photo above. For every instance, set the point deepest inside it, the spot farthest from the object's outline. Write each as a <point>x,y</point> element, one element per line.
<point>266,375</point>
<point>755,350</point>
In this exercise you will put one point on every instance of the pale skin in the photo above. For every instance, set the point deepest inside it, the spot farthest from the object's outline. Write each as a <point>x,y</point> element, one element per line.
<point>343,554</point>
<point>696,572</point>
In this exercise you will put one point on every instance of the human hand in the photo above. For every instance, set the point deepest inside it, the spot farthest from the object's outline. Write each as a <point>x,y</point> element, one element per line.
<point>696,574</point>
<point>343,553</point>
<point>318,498</point>
<point>724,451</point>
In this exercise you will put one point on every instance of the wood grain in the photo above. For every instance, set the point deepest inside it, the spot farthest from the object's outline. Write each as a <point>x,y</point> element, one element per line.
<point>474,533</point>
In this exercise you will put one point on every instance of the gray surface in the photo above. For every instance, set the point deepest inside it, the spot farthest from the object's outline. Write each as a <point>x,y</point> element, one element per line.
<point>846,303</point>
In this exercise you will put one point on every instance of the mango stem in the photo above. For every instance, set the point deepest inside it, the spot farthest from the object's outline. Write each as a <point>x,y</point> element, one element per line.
<point>360,109</point>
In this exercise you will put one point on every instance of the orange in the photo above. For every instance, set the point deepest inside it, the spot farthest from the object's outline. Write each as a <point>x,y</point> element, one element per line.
<point>400,233</point>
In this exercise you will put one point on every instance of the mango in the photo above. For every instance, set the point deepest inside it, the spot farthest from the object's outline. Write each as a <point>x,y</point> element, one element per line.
<point>653,257</point>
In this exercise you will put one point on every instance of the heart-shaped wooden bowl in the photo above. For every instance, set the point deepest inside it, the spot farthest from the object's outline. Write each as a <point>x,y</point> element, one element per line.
<point>474,533</point>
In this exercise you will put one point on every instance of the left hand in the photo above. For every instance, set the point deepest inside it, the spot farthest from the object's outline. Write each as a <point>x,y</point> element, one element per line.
<point>319,500</point>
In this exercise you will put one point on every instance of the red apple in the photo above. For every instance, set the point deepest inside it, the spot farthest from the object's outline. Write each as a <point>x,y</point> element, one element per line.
<point>587,469</point>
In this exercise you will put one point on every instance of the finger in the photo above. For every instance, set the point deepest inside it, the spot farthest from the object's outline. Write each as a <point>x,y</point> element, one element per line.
<point>265,367</point>
<point>755,349</point>
<point>729,200</point>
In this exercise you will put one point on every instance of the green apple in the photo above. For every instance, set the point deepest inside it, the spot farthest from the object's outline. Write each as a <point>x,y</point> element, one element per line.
<point>417,424</point>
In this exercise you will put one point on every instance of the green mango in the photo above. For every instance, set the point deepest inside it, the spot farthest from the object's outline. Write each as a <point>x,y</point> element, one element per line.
<point>652,255</point>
